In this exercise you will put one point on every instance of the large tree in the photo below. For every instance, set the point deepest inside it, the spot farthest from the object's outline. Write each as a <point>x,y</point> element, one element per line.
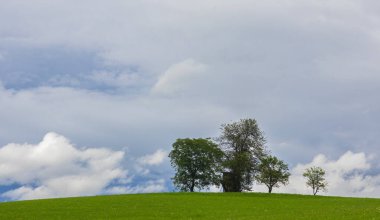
<point>197,163</point>
<point>316,179</point>
<point>243,145</point>
<point>272,172</point>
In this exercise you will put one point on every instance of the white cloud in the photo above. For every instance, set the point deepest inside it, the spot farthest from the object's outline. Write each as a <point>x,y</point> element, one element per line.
<point>146,163</point>
<point>289,64</point>
<point>94,118</point>
<point>346,176</point>
<point>56,168</point>
<point>179,77</point>
<point>154,159</point>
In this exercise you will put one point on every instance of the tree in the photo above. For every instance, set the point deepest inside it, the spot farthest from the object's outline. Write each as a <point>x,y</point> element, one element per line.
<point>273,172</point>
<point>316,179</point>
<point>243,145</point>
<point>197,163</point>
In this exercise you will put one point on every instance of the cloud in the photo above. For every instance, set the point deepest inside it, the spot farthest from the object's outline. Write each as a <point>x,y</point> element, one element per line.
<point>56,168</point>
<point>153,159</point>
<point>144,165</point>
<point>179,77</point>
<point>147,187</point>
<point>347,176</point>
<point>95,118</point>
<point>114,79</point>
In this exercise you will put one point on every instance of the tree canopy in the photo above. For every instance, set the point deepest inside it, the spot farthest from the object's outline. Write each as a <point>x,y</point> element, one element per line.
<point>243,145</point>
<point>272,172</point>
<point>239,159</point>
<point>197,163</point>
<point>316,179</point>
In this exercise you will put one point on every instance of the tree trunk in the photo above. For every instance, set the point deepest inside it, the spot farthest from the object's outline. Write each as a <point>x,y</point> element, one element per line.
<point>270,189</point>
<point>192,185</point>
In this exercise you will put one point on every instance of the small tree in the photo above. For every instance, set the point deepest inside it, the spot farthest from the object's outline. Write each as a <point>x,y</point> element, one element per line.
<point>273,172</point>
<point>316,179</point>
<point>197,163</point>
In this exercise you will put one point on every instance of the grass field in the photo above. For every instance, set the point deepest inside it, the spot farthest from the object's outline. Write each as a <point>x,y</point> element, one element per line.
<point>195,206</point>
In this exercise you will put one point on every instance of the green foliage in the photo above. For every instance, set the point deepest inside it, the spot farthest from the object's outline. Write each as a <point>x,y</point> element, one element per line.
<point>194,206</point>
<point>243,145</point>
<point>316,179</point>
<point>273,172</point>
<point>197,163</point>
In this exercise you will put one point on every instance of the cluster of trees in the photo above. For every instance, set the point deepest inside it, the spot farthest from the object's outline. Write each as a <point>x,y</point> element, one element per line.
<point>239,159</point>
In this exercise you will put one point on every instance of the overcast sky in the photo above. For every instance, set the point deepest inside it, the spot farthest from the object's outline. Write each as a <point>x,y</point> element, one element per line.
<point>93,93</point>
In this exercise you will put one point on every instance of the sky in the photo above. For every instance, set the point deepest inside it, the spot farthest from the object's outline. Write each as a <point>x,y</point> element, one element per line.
<point>94,93</point>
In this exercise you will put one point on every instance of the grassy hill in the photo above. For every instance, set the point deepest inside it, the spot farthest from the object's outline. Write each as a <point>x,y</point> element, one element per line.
<point>195,206</point>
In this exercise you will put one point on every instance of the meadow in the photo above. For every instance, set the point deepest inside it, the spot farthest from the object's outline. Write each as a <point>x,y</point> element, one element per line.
<point>194,206</point>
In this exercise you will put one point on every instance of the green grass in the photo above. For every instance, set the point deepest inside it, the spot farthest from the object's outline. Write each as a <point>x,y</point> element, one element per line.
<point>195,206</point>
